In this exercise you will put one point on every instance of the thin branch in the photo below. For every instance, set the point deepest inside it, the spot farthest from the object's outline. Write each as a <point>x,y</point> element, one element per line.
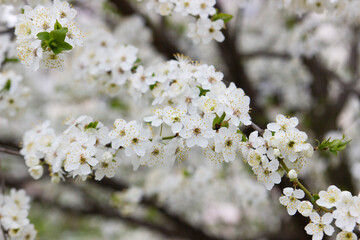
<point>10,151</point>
<point>264,54</point>
<point>353,60</point>
<point>2,178</point>
<point>257,128</point>
<point>7,31</point>
<point>184,228</point>
<point>92,208</point>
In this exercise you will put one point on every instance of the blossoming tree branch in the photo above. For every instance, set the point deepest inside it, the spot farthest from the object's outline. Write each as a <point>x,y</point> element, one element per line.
<point>104,114</point>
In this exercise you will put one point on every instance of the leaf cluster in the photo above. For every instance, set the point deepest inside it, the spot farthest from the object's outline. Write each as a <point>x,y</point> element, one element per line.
<point>55,40</point>
<point>91,125</point>
<point>334,146</point>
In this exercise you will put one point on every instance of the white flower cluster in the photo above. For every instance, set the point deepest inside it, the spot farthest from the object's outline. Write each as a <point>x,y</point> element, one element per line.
<point>280,140</point>
<point>205,29</point>
<point>204,113</point>
<point>338,205</point>
<point>14,215</point>
<point>319,6</point>
<point>318,224</point>
<point>80,151</point>
<point>107,65</point>
<point>13,96</point>
<point>44,33</point>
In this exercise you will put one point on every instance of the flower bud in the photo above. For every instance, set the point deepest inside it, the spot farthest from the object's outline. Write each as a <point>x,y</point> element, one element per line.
<point>292,174</point>
<point>36,172</point>
<point>55,179</point>
<point>107,157</point>
<point>276,152</point>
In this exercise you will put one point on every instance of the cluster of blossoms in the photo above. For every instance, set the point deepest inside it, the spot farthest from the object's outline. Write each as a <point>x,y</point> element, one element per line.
<point>81,150</point>
<point>108,65</point>
<point>281,140</point>
<point>44,33</point>
<point>13,96</point>
<point>13,216</point>
<point>203,112</point>
<point>334,6</point>
<point>337,204</point>
<point>207,26</point>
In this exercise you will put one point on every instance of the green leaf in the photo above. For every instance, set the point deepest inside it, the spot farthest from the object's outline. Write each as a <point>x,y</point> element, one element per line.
<point>7,85</point>
<point>218,121</point>
<point>65,46</point>
<point>43,36</point>
<point>118,104</point>
<point>59,35</point>
<point>59,47</point>
<point>57,25</point>
<point>244,138</point>
<point>186,173</point>
<point>6,60</point>
<point>291,22</point>
<point>314,198</point>
<point>44,44</point>
<point>225,17</point>
<point>56,50</point>
<point>202,91</point>
<point>136,64</point>
<point>153,86</point>
<point>91,125</point>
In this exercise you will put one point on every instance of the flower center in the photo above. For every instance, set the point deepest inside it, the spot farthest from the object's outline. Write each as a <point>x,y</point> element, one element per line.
<point>197,131</point>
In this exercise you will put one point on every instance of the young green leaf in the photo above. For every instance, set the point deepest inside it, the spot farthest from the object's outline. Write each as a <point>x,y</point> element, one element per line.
<point>218,121</point>
<point>153,86</point>
<point>225,17</point>
<point>7,85</point>
<point>57,25</point>
<point>91,125</point>
<point>43,36</point>
<point>202,91</point>
<point>244,138</point>
<point>59,35</point>
<point>333,146</point>
<point>6,60</point>
<point>65,46</point>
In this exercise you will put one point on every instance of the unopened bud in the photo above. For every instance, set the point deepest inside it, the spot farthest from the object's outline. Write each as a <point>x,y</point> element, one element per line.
<point>55,179</point>
<point>36,172</point>
<point>276,152</point>
<point>292,174</point>
<point>107,157</point>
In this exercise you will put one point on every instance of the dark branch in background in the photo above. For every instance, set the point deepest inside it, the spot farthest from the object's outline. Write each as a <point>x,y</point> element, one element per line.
<point>236,71</point>
<point>9,151</point>
<point>183,228</point>
<point>353,60</point>
<point>160,40</point>
<point>9,31</point>
<point>326,112</point>
<point>180,227</point>
<point>265,54</point>
<point>92,209</point>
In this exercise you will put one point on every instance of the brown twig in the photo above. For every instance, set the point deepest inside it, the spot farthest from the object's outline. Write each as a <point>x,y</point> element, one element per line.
<point>10,151</point>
